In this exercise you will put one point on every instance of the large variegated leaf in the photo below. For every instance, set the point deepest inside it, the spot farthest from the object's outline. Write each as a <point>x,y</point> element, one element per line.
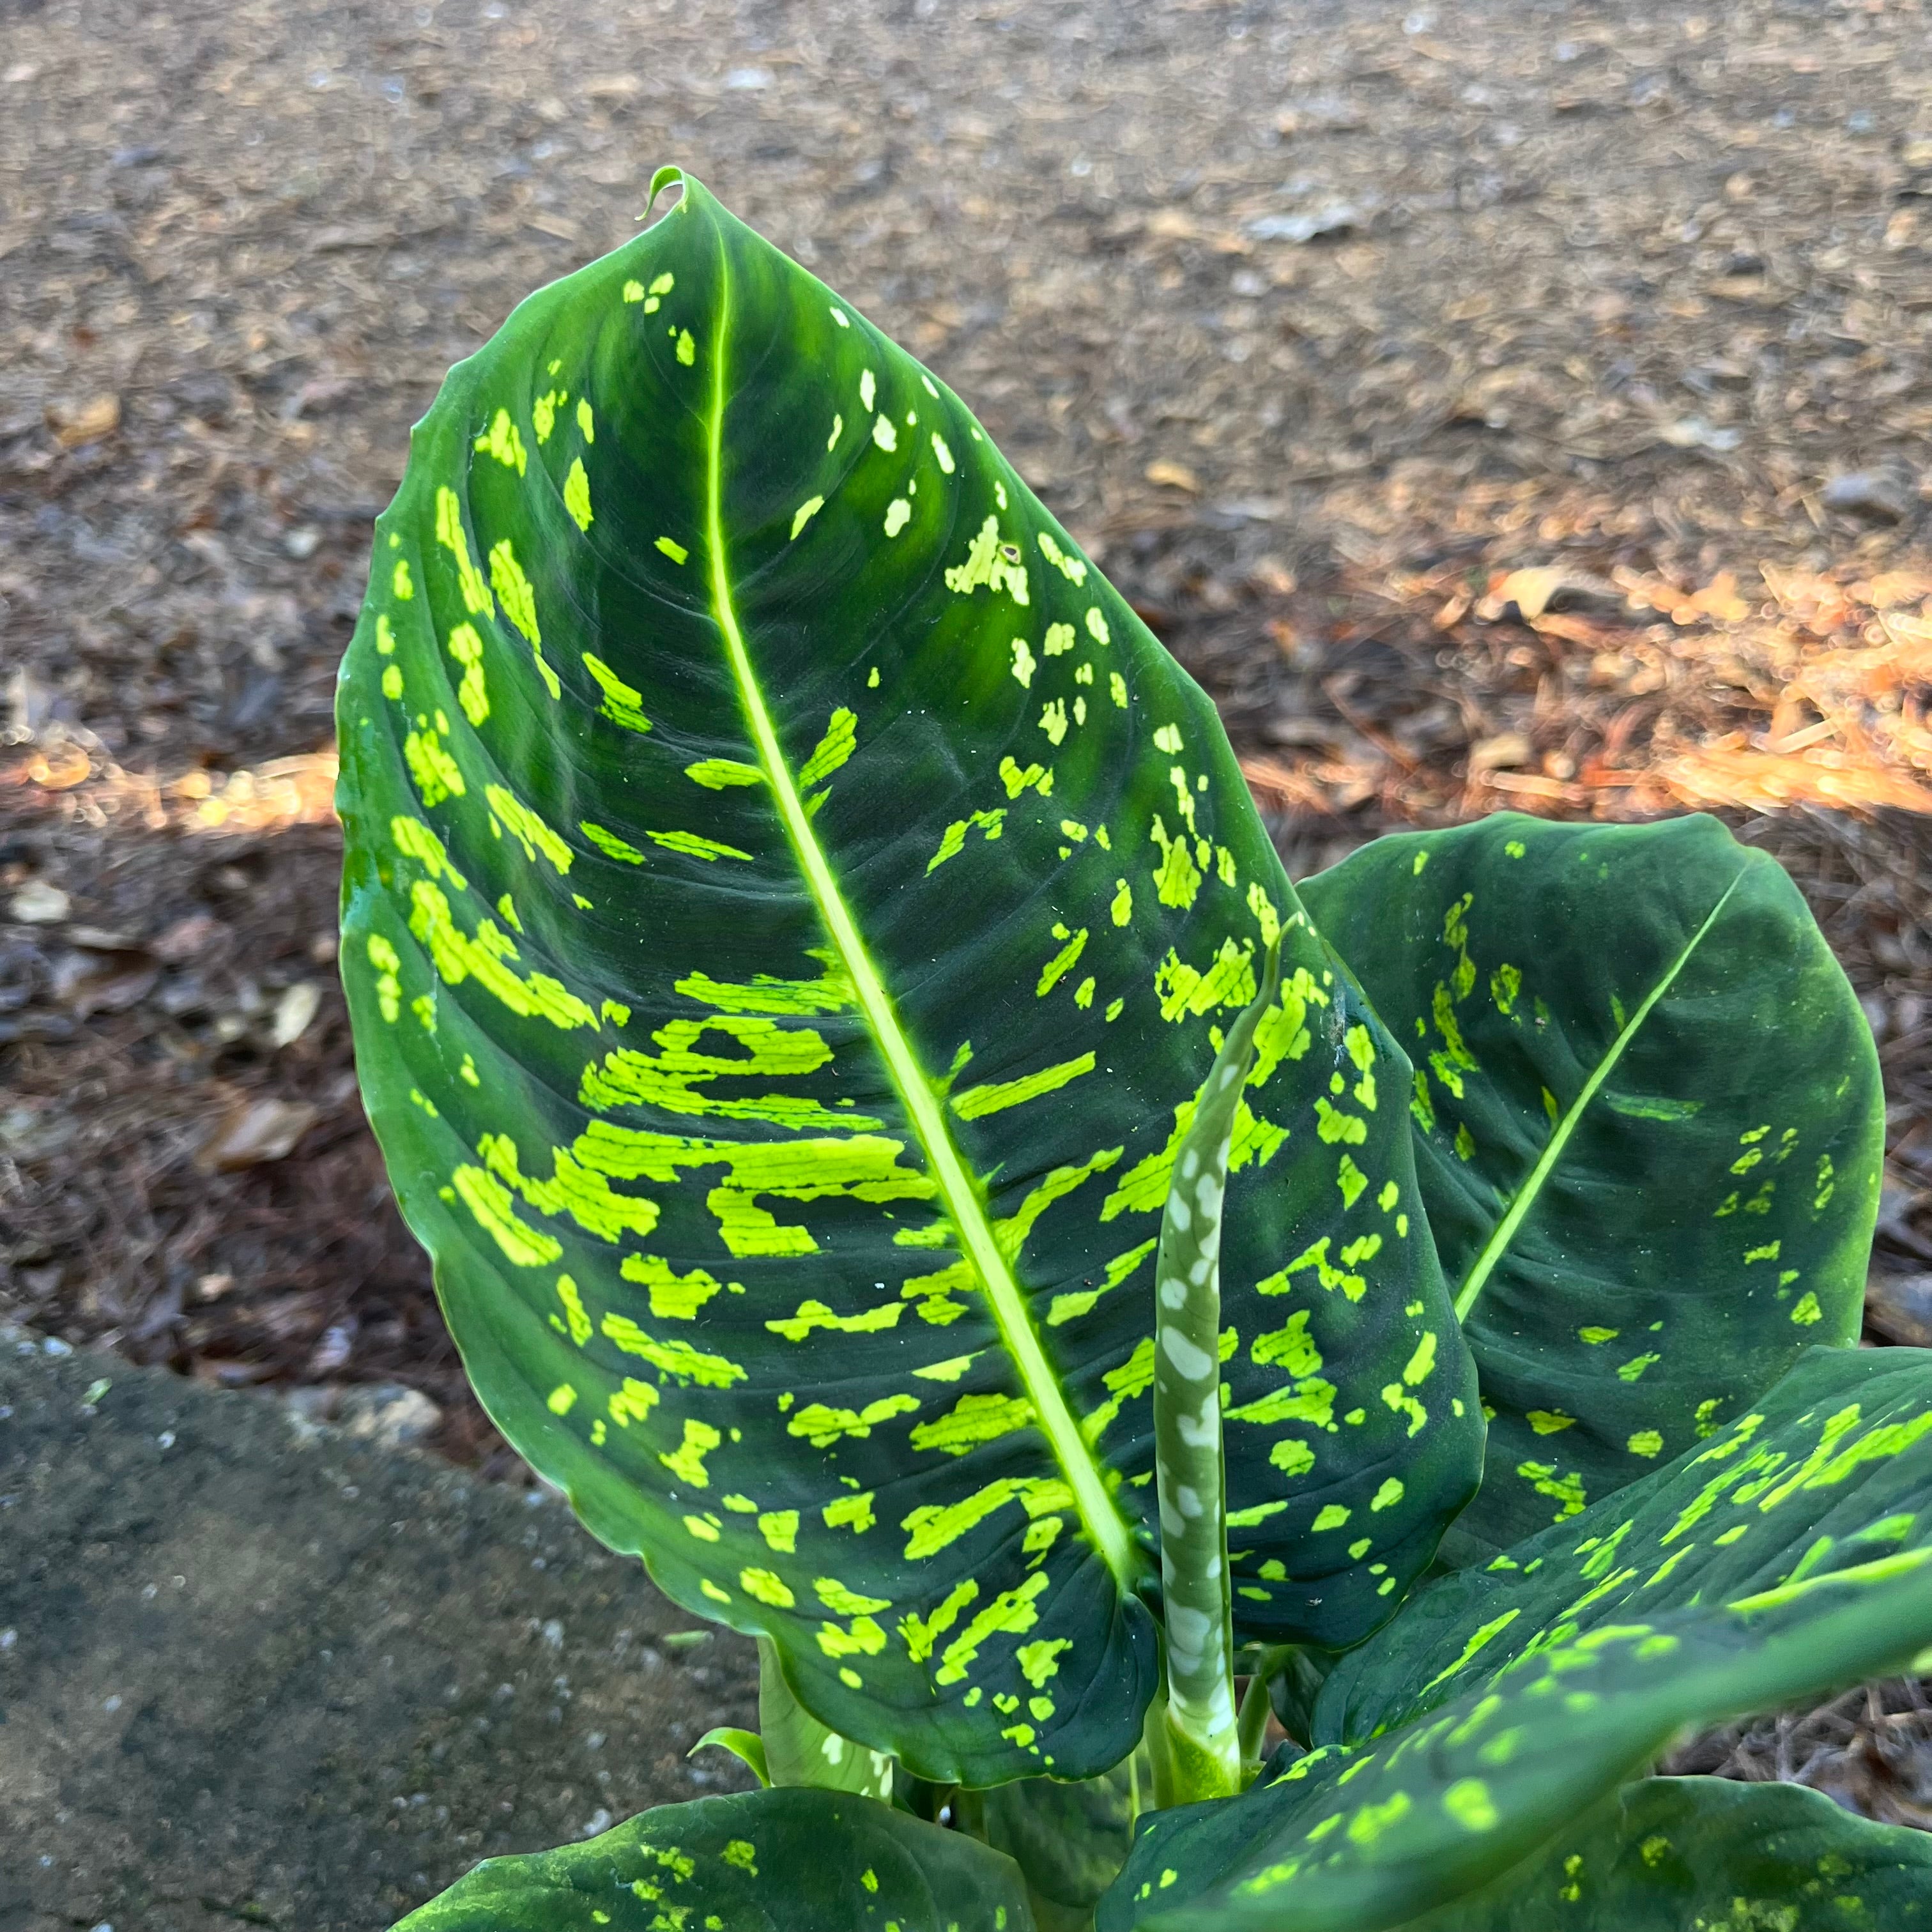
<point>792,1860</point>
<point>1825,1483</point>
<point>790,904</point>
<point>1648,1130</point>
<point>1368,1837</point>
<point>1666,1854</point>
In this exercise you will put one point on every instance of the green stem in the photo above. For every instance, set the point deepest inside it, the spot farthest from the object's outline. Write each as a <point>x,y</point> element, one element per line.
<point>1201,1740</point>
<point>1256,1707</point>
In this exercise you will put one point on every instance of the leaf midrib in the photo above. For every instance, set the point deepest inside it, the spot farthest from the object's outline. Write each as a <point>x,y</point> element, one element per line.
<point>1005,1301</point>
<point>1500,1236</point>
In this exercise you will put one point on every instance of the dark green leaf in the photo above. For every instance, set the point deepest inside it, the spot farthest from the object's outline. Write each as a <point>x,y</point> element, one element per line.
<point>1667,1854</point>
<point>791,903</point>
<point>1648,1129</point>
<point>1825,1487</point>
<point>780,1860</point>
<point>1368,1837</point>
<point>1070,1840</point>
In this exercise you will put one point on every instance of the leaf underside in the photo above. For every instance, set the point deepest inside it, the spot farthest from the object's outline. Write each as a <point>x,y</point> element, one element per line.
<point>790,903</point>
<point>801,1860</point>
<point>1666,1853</point>
<point>1649,1125</point>
<point>1791,1554</point>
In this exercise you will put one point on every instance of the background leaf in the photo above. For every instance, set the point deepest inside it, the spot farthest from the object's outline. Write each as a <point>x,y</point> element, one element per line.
<point>1070,1840</point>
<point>789,904</point>
<point>1649,1123</point>
<point>800,1860</point>
<point>1666,1853</point>
<point>1368,1837</point>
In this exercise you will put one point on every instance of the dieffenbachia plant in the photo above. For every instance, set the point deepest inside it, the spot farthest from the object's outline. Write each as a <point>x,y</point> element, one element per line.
<point>897,1150</point>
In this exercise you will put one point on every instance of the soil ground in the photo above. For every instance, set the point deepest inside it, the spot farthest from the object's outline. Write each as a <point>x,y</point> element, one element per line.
<point>1501,405</point>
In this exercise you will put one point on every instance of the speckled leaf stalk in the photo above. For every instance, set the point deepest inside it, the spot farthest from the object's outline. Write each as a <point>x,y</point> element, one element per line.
<point>1205,1753</point>
<point>789,906</point>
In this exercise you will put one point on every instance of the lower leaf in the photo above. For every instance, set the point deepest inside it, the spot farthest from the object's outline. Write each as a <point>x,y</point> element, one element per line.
<point>806,1860</point>
<point>1668,1852</point>
<point>1368,1837</point>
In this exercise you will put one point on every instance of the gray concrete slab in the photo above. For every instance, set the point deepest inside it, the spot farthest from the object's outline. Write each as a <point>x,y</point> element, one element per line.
<point>252,1673</point>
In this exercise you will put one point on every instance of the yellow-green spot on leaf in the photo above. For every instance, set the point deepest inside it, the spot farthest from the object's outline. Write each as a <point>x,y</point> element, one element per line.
<point>717,774</point>
<point>768,1588</point>
<point>1566,1491</point>
<point>458,957</point>
<point>686,1461</point>
<point>610,845</point>
<point>437,774</point>
<point>973,1419</point>
<point>561,1399</point>
<point>706,1531</point>
<point>694,845</point>
<point>1177,878</point>
<point>832,750</point>
<point>687,350</point>
<point>576,1321</point>
<point>995,1096</point>
<point>501,440</point>
<point>663,284</point>
<point>1807,1311</point>
<point>402,586</point>
<point>415,840</point>
<point>815,1315</point>
<point>1351,1180</point>
<point>899,513</point>
<point>673,1297</point>
<point>1057,968</point>
<point>1330,1516</point>
<point>466,646</point>
<point>1596,1337</point>
<point>489,1200</point>
<point>1646,1442</point>
<point>1389,1493</point>
<point>577,494</point>
<point>673,549</point>
<point>779,1528</point>
<point>1333,1126</point>
<point>1632,1370</point>
<point>528,829</point>
<point>1097,625</point>
<point>1468,1802</point>
<point>989,565</point>
<point>513,590</point>
<point>821,1424</point>
<point>633,291</point>
<point>942,453</point>
<point>948,1371</point>
<point>392,681</point>
<point>1549,1422</point>
<point>804,513</point>
<point>676,1358</point>
<point>585,422</point>
<point>738,1851</point>
<point>451,534</point>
